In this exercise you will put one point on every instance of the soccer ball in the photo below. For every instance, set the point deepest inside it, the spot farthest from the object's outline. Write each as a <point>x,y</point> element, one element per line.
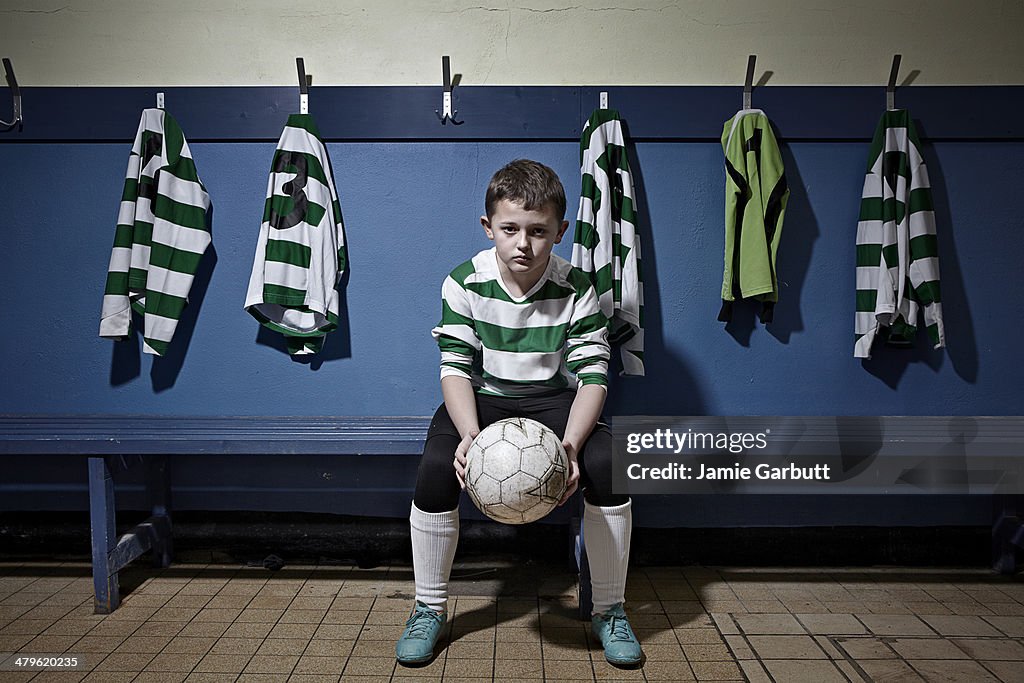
<point>516,470</point>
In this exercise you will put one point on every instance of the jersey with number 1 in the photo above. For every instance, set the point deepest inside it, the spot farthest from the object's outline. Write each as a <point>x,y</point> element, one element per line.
<point>300,255</point>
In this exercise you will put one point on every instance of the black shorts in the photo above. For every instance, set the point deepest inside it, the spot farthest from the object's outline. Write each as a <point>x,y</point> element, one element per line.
<point>437,487</point>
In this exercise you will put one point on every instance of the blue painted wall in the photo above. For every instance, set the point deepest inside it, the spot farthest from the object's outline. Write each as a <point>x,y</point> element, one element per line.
<point>411,212</point>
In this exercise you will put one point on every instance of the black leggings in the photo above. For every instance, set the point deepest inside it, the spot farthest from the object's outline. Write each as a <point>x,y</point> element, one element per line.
<point>437,487</point>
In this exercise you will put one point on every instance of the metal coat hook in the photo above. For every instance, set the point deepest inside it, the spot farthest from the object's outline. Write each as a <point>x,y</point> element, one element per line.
<point>446,102</point>
<point>748,84</point>
<point>604,99</point>
<point>12,82</point>
<point>159,100</point>
<point>304,82</point>
<point>890,90</point>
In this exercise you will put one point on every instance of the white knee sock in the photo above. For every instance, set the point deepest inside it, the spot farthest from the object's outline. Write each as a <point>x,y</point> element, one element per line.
<point>434,537</point>
<point>606,533</point>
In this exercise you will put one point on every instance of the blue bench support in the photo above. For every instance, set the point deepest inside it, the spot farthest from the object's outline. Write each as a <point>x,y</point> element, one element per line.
<point>1007,535</point>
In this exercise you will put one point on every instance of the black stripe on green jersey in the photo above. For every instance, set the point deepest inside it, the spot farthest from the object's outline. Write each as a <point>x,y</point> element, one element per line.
<point>291,253</point>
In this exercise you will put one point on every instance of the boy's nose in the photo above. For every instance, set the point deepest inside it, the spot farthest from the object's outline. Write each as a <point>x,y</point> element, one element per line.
<point>522,243</point>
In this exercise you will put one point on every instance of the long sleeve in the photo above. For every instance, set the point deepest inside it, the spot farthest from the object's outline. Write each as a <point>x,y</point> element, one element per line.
<point>897,252</point>
<point>755,205</point>
<point>606,244</point>
<point>456,333</point>
<point>162,234</point>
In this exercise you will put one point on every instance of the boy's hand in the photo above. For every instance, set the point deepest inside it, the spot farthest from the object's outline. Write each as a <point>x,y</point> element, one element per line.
<point>460,458</point>
<point>574,472</point>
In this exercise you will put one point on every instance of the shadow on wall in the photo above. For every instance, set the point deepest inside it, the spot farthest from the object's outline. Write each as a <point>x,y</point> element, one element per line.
<point>668,387</point>
<point>888,363</point>
<point>126,361</point>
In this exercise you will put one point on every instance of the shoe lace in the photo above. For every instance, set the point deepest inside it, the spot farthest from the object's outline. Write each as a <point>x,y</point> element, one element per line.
<point>618,628</point>
<point>421,623</point>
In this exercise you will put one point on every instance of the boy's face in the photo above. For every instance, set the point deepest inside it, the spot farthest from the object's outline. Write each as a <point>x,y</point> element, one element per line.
<point>523,239</point>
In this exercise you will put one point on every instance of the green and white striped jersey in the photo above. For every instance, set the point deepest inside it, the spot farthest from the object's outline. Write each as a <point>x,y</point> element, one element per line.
<point>300,253</point>
<point>521,346</point>
<point>161,235</point>
<point>606,245</point>
<point>897,252</point>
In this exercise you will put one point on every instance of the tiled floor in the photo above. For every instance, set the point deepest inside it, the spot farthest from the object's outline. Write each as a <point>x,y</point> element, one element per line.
<point>516,623</point>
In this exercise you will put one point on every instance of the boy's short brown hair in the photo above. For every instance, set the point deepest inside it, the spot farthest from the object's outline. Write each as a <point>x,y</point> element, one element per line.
<point>529,182</point>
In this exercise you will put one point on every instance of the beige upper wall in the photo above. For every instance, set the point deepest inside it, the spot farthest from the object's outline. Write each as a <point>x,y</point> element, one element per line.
<point>582,42</point>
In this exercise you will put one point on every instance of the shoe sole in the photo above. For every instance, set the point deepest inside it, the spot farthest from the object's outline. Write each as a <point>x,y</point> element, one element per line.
<point>624,662</point>
<point>419,660</point>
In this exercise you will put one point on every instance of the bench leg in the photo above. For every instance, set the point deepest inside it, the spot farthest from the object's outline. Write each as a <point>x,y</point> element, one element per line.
<point>158,487</point>
<point>104,536</point>
<point>1007,535</point>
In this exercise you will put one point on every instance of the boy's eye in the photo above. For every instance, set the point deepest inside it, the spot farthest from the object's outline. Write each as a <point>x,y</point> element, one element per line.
<point>508,228</point>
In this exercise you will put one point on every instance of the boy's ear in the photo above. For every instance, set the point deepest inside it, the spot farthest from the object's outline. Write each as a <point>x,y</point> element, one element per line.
<point>487,227</point>
<point>561,232</point>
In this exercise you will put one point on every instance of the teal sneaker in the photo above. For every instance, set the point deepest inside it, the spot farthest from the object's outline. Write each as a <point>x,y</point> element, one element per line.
<point>416,646</point>
<point>621,647</point>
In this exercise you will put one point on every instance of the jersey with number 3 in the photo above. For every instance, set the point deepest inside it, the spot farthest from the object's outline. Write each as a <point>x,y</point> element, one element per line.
<point>300,255</point>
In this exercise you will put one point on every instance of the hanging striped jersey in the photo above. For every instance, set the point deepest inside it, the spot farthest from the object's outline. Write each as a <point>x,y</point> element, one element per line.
<point>161,235</point>
<point>606,245</point>
<point>521,346</point>
<point>756,193</point>
<point>300,253</point>
<point>897,252</point>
